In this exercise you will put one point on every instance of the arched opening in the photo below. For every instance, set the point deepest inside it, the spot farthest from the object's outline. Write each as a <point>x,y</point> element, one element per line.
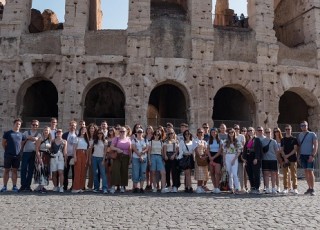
<point>233,105</point>
<point>105,101</point>
<point>47,15</point>
<point>40,102</point>
<point>2,3</point>
<point>293,109</point>
<point>230,13</point>
<point>167,103</point>
<point>170,28</point>
<point>108,14</point>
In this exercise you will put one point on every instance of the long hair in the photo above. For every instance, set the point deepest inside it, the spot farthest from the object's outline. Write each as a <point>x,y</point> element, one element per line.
<point>96,136</point>
<point>85,136</point>
<point>211,138</point>
<point>95,130</point>
<point>229,141</point>
<point>49,135</point>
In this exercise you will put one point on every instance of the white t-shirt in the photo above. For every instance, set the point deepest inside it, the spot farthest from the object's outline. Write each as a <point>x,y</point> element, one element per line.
<point>71,140</point>
<point>185,148</point>
<point>140,145</point>
<point>99,149</point>
<point>82,144</point>
<point>156,147</point>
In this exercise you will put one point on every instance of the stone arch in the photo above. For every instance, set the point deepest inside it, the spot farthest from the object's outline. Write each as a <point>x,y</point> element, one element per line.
<point>37,98</point>
<point>104,99</point>
<point>297,104</point>
<point>168,102</point>
<point>234,103</point>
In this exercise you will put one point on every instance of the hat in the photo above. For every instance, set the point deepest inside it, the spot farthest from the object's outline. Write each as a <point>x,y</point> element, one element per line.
<point>214,129</point>
<point>140,130</point>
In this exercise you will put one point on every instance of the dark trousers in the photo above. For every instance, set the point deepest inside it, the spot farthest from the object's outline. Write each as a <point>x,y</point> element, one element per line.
<point>171,167</point>
<point>120,171</point>
<point>253,172</point>
<point>66,173</point>
<point>27,167</point>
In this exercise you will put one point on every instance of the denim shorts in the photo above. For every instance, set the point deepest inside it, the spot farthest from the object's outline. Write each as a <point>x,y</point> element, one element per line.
<point>304,162</point>
<point>156,163</point>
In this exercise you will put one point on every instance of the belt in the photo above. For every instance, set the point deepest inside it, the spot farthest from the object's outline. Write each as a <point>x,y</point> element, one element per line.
<point>82,150</point>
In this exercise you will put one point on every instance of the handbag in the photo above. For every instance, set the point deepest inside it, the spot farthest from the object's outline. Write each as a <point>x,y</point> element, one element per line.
<point>265,149</point>
<point>224,183</point>
<point>201,161</point>
<point>113,154</point>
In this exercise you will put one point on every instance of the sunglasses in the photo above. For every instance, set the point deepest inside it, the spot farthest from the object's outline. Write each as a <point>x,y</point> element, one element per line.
<point>250,130</point>
<point>259,130</point>
<point>303,125</point>
<point>266,132</point>
<point>121,131</point>
<point>243,130</point>
<point>236,128</point>
<point>205,127</point>
<point>231,132</point>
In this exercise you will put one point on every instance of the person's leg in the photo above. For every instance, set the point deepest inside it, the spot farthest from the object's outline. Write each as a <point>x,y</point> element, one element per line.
<point>24,168</point>
<point>66,173</point>
<point>143,170</point>
<point>266,175</point>
<point>54,179</point>
<point>285,171</point>
<point>83,177</point>
<point>294,178</point>
<point>241,175</point>
<point>168,172</point>
<point>228,160</point>
<point>234,172</point>
<point>77,169</point>
<point>217,173</point>
<point>103,174</point>
<point>30,168</point>
<point>256,174</point>
<point>187,174</point>
<point>175,174</point>
<point>124,170</point>
<point>14,176</point>
<point>274,179</point>
<point>61,176</point>
<point>115,176</point>
<point>135,172</point>
<point>95,173</point>
<point>249,169</point>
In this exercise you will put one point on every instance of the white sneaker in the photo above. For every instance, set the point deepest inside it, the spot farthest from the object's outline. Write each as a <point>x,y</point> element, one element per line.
<point>268,191</point>
<point>285,191</point>
<point>218,191</point>
<point>174,189</point>
<point>295,191</point>
<point>165,190</point>
<point>274,191</point>
<point>112,190</point>
<point>55,189</point>
<point>199,190</point>
<point>214,190</point>
<point>122,190</point>
<point>61,190</point>
<point>154,190</point>
<point>291,191</point>
<point>75,191</point>
<point>105,191</point>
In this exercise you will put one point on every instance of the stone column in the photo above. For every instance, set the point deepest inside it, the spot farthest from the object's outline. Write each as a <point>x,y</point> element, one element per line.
<point>95,15</point>
<point>219,15</point>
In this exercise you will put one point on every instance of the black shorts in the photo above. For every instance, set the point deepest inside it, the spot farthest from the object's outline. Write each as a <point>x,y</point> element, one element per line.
<point>218,159</point>
<point>11,162</point>
<point>270,165</point>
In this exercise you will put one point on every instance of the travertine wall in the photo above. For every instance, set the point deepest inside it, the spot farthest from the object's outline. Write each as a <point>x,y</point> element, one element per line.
<point>188,53</point>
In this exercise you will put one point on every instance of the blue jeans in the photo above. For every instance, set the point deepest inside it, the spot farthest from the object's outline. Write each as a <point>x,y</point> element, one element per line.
<point>27,167</point>
<point>96,164</point>
<point>139,170</point>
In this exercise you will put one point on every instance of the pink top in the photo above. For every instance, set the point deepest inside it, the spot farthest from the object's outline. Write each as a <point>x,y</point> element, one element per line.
<point>123,144</point>
<point>250,144</point>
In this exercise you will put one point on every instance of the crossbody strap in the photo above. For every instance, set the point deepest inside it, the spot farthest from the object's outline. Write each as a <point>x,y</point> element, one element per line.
<point>304,138</point>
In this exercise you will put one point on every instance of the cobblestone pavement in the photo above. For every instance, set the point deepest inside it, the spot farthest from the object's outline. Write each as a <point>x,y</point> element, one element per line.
<point>159,211</point>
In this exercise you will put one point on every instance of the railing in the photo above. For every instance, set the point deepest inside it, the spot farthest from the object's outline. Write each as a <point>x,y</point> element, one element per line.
<point>226,20</point>
<point>110,121</point>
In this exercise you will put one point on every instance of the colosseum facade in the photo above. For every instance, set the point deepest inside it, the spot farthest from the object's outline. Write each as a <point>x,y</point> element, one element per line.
<point>173,62</point>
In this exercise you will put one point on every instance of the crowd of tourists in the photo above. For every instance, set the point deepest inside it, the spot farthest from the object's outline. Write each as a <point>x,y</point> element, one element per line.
<point>99,158</point>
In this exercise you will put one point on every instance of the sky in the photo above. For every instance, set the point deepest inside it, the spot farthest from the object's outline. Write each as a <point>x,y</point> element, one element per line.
<point>117,10</point>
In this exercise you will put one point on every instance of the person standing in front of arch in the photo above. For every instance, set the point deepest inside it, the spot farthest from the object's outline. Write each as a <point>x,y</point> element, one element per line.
<point>308,143</point>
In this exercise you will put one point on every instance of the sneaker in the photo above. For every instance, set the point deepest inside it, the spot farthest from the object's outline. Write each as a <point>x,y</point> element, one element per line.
<point>308,191</point>
<point>148,188</point>
<point>141,190</point>
<point>312,192</point>
<point>74,191</point>
<point>295,191</point>
<point>122,189</point>
<point>214,190</point>
<point>217,191</point>
<point>174,189</point>
<point>285,191</point>
<point>268,191</point>
<point>112,190</point>
<point>22,189</point>
<point>15,189</point>
<point>199,190</point>
<point>186,190</point>
<point>291,191</point>
<point>61,190</point>
<point>43,190</point>
<point>4,189</point>
<point>205,189</point>
<point>165,190</point>
<point>55,189</point>
<point>274,191</point>
<point>95,190</point>
<point>154,190</point>
<point>105,191</point>
<point>135,190</point>
<point>190,190</point>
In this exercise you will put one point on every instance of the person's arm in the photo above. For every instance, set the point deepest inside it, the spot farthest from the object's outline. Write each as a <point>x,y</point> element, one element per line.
<point>164,151</point>
<point>180,155</point>
<point>135,150</point>
<point>4,143</point>
<point>315,147</point>
<point>113,145</point>
<point>75,151</point>
<point>38,143</point>
<point>65,152</point>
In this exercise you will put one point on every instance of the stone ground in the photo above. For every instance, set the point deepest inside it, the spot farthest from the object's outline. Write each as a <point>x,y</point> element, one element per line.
<point>159,211</point>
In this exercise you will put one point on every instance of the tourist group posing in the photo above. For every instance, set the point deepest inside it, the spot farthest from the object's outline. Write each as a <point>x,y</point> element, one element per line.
<point>230,157</point>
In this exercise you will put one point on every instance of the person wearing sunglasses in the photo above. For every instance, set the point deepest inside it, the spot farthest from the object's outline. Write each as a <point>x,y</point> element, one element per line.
<point>170,152</point>
<point>28,156</point>
<point>120,165</point>
<point>241,168</point>
<point>252,157</point>
<point>308,143</point>
<point>269,161</point>
<point>231,150</point>
<point>289,148</point>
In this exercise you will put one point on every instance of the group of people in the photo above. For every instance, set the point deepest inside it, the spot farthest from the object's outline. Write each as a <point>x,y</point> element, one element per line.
<point>158,156</point>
